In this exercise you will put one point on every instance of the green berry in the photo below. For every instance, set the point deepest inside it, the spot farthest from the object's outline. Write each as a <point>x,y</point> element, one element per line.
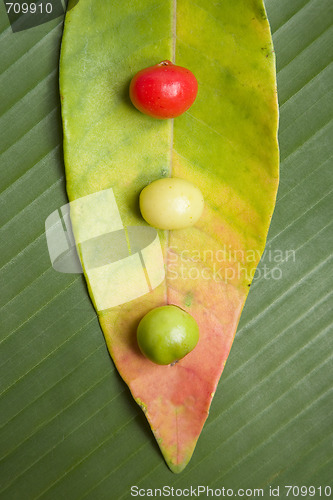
<point>166,334</point>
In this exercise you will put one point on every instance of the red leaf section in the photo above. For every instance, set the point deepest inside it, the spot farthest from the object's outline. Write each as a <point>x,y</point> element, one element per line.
<point>176,399</point>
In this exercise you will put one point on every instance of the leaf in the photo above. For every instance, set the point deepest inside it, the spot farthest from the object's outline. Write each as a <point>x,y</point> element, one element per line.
<point>226,144</point>
<point>68,427</point>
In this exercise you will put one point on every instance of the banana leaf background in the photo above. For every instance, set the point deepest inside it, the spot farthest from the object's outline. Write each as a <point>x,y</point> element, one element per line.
<point>68,425</point>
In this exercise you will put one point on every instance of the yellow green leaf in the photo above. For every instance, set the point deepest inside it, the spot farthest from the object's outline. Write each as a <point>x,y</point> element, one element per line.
<point>226,144</point>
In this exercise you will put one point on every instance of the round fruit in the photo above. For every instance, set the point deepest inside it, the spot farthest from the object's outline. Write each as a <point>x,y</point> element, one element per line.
<point>166,334</point>
<point>171,203</point>
<point>163,90</point>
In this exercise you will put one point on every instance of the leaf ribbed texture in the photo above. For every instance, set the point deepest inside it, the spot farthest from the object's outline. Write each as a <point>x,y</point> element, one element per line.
<point>68,426</point>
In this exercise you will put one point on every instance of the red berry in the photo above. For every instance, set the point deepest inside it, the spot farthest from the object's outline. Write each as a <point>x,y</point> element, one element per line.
<point>163,90</point>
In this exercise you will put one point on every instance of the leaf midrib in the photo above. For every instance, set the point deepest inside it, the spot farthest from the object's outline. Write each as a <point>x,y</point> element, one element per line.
<point>173,59</point>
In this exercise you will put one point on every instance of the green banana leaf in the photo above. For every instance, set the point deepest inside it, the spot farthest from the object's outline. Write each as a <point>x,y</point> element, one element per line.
<point>69,428</point>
